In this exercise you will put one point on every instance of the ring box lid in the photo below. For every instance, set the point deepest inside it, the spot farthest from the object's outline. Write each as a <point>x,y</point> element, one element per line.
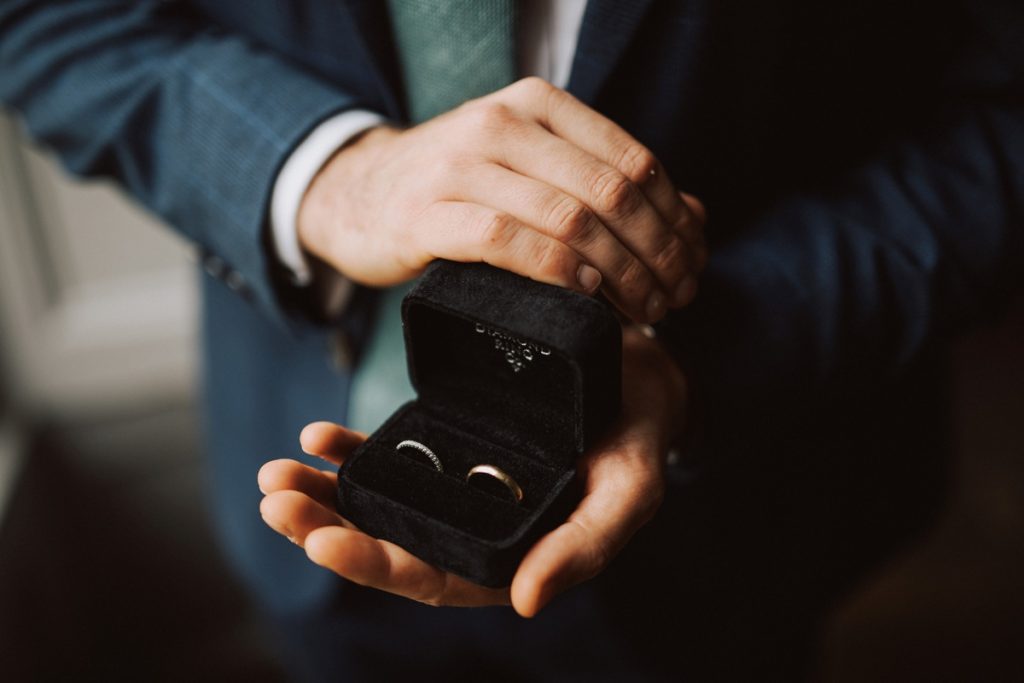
<point>525,365</point>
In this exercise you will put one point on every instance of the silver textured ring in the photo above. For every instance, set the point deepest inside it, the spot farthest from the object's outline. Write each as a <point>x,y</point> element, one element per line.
<point>416,445</point>
<point>499,475</point>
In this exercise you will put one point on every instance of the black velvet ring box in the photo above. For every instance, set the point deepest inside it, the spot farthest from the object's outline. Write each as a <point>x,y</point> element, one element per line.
<point>508,372</point>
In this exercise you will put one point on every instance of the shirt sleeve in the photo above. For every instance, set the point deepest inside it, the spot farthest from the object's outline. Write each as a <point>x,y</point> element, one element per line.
<point>297,174</point>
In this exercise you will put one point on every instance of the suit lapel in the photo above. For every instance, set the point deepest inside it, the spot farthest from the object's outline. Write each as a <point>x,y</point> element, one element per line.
<point>607,30</point>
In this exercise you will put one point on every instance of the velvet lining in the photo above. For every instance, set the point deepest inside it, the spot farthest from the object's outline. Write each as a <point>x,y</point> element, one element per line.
<point>462,371</point>
<point>508,372</point>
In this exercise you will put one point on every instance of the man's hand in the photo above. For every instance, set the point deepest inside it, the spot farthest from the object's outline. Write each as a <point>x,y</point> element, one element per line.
<point>622,481</point>
<point>528,179</point>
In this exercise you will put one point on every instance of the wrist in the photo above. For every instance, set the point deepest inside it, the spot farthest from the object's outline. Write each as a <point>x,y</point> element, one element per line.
<point>331,198</point>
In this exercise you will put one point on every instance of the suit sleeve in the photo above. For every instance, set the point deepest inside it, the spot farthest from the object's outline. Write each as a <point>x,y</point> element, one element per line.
<point>193,121</point>
<point>838,289</point>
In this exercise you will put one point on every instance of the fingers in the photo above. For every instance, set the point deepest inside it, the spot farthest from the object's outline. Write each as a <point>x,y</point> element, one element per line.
<point>652,257</point>
<point>563,217</point>
<point>605,520</point>
<point>385,566</point>
<point>638,173</point>
<point>290,475</point>
<point>295,515</point>
<point>696,207</point>
<point>461,231</point>
<point>570,119</point>
<point>300,505</point>
<point>329,441</point>
<point>565,557</point>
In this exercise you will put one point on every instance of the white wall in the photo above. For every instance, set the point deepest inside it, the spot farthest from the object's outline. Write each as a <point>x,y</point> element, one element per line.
<point>97,300</point>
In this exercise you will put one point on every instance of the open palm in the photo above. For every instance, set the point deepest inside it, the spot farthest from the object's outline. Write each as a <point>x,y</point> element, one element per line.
<point>622,481</point>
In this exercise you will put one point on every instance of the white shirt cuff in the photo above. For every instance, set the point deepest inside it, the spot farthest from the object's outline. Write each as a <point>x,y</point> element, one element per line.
<point>296,176</point>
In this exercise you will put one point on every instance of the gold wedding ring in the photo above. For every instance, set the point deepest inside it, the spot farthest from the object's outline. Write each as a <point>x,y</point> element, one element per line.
<point>495,473</point>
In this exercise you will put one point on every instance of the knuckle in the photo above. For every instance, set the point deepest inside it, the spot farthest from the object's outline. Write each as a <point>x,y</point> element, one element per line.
<point>634,278</point>
<point>614,193</point>
<point>553,261</point>
<point>533,86</point>
<point>496,230</point>
<point>637,162</point>
<point>490,116</point>
<point>672,256</point>
<point>537,95</point>
<point>571,221</point>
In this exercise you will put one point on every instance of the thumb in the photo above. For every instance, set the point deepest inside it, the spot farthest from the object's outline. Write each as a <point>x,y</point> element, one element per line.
<point>330,441</point>
<point>582,547</point>
<point>567,556</point>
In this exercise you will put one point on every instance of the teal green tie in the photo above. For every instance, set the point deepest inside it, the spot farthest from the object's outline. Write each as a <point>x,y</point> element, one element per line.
<point>450,51</point>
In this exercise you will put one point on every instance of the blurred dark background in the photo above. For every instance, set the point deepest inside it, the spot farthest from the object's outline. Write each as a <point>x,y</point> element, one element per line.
<point>950,605</point>
<point>109,569</point>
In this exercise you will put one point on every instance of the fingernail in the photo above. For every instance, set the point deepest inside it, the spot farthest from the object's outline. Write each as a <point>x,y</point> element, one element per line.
<point>589,278</point>
<point>685,291</point>
<point>655,306</point>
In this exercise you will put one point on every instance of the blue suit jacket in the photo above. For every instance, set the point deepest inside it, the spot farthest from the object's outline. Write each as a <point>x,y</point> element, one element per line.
<point>862,162</point>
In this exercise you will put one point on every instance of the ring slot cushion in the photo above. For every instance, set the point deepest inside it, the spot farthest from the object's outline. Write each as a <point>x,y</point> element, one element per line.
<point>508,372</point>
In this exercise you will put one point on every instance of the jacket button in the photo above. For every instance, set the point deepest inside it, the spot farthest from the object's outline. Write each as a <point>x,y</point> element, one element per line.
<point>236,281</point>
<point>214,266</point>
